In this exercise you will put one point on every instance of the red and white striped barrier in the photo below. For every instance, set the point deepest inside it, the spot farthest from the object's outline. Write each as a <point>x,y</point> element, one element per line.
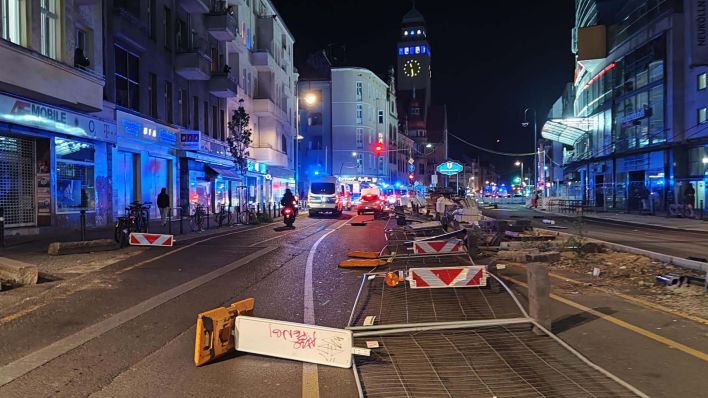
<point>463,276</point>
<point>438,246</point>
<point>143,239</point>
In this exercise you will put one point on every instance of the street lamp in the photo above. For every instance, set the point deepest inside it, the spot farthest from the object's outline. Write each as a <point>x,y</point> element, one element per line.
<point>519,163</point>
<point>310,99</point>
<point>535,139</point>
<point>354,153</point>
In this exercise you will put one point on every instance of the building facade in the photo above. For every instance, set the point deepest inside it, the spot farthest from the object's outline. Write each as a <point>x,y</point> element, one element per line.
<point>639,110</point>
<point>107,102</point>
<point>54,145</point>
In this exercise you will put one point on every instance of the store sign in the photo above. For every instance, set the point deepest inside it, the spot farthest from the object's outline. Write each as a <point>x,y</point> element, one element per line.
<point>358,179</point>
<point>189,139</point>
<point>698,24</point>
<point>32,114</point>
<point>257,167</point>
<point>137,127</point>
<point>449,168</point>
<point>630,119</point>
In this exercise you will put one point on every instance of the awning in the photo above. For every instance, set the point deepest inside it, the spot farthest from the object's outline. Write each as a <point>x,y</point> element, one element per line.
<point>229,173</point>
<point>566,131</point>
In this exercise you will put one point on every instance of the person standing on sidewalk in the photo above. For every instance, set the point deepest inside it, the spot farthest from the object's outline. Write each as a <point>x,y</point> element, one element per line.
<point>689,196</point>
<point>163,203</point>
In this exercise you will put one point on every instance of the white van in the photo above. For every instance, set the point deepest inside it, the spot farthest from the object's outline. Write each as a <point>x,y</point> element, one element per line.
<point>323,198</point>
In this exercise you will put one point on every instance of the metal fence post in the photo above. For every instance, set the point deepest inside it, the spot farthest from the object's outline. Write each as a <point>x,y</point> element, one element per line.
<point>181,223</point>
<point>539,295</point>
<point>207,216</point>
<point>238,214</point>
<point>169,220</point>
<point>82,220</point>
<point>2,227</point>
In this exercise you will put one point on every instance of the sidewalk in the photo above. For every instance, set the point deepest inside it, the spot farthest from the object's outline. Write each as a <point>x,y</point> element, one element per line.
<point>679,224</point>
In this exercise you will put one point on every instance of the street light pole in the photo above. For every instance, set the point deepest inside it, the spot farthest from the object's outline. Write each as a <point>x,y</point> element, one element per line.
<point>535,144</point>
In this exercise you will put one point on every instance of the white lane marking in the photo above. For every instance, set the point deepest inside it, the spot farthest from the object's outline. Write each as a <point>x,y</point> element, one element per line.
<point>179,249</point>
<point>40,357</point>
<point>310,379</point>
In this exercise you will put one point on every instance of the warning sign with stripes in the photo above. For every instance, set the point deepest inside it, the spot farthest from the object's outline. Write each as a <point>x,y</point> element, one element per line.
<point>438,246</point>
<point>144,239</point>
<point>463,276</point>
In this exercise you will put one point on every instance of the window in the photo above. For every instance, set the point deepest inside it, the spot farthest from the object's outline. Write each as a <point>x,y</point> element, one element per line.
<point>74,165</point>
<point>359,91</point>
<point>152,19</point>
<point>221,125</point>
<point>215,122</point>
<point>701,115</point>
<point>284,144</point>
<point>206,118</point>
<point>182,35</point>
<point>152,94</point>
<point>359,114</point>
<point>381,117</point>
<point>12,20</point>
<point>214,60</point>
<point>702,81</point>
<point>167,24</point>
<point>168,101</point>
<point>359,138</point>
<point>49,28</point>
<point>127,79</point>
<point>184,108</point>
<point>81,59</point>
<point>195,109</point>
<point>421,169</point>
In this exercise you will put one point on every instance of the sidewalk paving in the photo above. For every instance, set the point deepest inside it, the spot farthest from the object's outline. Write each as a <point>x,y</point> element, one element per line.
<point>679,224</point>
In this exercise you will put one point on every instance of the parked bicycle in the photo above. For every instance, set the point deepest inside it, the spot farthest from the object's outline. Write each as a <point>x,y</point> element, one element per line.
<point>124,226</point>
<point>247,216</point>
<point>196,220</point>
<point>141,213</point>
<point>223,216</point>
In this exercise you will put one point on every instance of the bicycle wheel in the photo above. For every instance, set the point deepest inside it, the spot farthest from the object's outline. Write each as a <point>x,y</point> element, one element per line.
<point>118,231</point>
<point>246,217</point>
<point>228,218</point>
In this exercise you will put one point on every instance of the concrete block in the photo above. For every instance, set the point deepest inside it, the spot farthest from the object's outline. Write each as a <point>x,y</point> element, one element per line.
<point>17,272</point>
<point>61,248</point>
<point>539,295</point>
<point>543,257</point>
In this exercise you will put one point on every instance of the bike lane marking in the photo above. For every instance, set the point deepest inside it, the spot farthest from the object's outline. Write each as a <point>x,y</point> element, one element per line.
<point>24,365</point>
<point>310,379</point>
<point>314,224</point>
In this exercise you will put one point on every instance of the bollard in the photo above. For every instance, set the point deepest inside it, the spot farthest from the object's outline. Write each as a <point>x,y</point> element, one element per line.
<point>169,220</point>
<point>2,227</point>
<point>238,214</point>
<point>82,219</point>
<point>181,223</point>
<point>539,295</point>
<point>701,210</point>
<point>207,217</point>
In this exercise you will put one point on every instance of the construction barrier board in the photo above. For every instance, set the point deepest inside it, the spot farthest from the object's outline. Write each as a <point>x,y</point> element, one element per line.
<point>443,277</point>
<point>296,341</point>
<point>438,246</point>
<point>145,239</point>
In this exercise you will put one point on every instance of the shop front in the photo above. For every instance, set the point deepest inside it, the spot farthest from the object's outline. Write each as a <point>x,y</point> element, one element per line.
<point>281,179</point>
<point>53,166</point>
<point>144,162</point>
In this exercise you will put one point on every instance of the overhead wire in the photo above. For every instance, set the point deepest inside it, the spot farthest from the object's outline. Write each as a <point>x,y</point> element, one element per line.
<point>490,150</point>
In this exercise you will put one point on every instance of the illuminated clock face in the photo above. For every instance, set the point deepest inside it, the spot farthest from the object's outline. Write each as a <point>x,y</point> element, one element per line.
<point>411,68</point>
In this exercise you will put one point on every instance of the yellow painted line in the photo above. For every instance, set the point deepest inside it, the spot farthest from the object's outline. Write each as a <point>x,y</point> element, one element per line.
<point>310,381</point>
<point>18,314</point>
<point>626,325</point>
<point>633,299</point>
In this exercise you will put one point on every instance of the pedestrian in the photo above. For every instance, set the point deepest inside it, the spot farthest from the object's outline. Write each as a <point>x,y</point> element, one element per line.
<point>645,199</point>
<point>689,196</point>
<point>163,203</point>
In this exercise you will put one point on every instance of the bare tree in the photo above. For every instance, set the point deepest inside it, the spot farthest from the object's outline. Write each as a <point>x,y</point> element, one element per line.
<point>240,138</point>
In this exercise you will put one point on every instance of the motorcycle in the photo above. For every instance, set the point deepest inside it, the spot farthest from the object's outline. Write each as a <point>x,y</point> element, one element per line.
<point>288,214</point>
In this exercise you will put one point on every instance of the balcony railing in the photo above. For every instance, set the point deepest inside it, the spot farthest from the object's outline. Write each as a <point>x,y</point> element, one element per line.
<point>193,63</point>
<point>195,6</point>
<point>223,85</point>
<point>222,22</point>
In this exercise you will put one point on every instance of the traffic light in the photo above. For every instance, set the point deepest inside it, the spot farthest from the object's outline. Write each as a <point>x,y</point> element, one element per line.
<point>411,177</point>
<point>378,148</point>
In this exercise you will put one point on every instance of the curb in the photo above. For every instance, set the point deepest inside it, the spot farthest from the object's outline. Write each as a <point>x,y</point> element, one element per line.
<point>623,222</point>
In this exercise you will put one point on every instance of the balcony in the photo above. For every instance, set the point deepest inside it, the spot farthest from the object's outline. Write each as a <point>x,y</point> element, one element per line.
<point>263,61</point>
<point>222,85</point>
<point>222,26</point>
<point>192,63</point>
<point>51,81</point>
<point>264,107</point>
<point>266,154</point>
<point>195,6</point>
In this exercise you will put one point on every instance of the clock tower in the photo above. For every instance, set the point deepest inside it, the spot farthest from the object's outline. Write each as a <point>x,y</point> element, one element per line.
<point>413,74</point>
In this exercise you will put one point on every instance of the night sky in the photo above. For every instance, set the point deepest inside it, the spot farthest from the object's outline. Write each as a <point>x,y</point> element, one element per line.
<point>490,59</point>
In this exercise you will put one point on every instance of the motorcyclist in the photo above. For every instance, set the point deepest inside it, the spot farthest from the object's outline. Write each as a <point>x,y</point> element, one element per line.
<point>288,199</point>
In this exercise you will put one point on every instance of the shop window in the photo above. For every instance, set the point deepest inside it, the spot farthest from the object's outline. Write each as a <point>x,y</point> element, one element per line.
<point>701,115</point>
<point>13,19</point>
<point>75,176</point>
<point>127,79</point>
<point>315,119</point>
<point>702,81</point>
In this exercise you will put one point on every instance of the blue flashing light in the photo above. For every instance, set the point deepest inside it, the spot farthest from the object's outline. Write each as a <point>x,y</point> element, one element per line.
<point>400,50</point>
<point>398,184</point>
<point>406,50</point>
<point>317,172</point>
<point>417,49</point>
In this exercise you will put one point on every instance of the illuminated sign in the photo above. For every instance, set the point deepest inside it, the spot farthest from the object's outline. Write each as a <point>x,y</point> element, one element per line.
<point>189,139</point>
<point>449,168</point>
<point>32,114</point>
<point>137,127</point>
<point>413,50</point>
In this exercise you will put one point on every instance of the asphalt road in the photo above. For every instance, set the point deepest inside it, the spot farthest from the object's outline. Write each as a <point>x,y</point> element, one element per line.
<point>129,332</point>
<point>662,240</point>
